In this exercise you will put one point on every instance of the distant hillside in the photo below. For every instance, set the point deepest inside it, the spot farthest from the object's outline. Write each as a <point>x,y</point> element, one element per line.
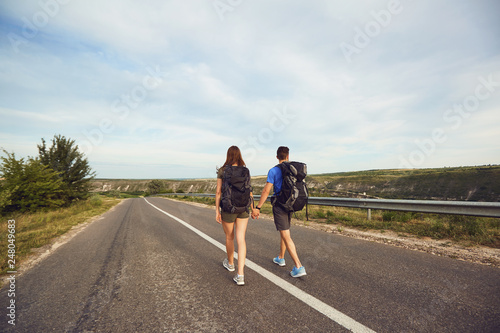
<point>480,183</point>
<point>141,185</point>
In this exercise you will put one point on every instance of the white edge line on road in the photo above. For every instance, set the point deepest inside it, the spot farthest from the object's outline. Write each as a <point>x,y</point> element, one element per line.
<point>312,301</point>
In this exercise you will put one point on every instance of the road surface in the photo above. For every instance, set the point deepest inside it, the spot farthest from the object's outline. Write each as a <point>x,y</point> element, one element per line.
<point>155,265</point>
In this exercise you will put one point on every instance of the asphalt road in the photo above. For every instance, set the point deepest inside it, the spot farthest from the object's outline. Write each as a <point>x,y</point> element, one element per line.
<point>140,270</point>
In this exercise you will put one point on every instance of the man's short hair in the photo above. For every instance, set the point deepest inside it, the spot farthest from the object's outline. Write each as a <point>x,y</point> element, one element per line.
<point>282,153</point>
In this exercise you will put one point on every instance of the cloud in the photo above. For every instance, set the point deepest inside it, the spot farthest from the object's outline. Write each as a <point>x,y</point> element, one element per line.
<point>164,87</point>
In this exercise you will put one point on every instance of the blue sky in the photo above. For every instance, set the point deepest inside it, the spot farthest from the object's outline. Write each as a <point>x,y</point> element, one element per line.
<point>161,89</point>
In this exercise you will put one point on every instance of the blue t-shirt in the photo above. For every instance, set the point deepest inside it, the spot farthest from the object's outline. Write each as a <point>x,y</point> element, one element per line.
<point>275,177</point>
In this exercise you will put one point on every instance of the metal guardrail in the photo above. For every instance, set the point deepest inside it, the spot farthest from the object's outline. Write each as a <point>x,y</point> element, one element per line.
<point>471,208</point>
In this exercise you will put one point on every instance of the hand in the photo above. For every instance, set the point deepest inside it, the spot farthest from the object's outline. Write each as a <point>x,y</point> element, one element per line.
<point>218,217</point>
<point>255,213</point>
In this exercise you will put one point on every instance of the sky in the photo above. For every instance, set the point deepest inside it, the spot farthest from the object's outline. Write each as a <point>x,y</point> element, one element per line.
<point>161,89</point>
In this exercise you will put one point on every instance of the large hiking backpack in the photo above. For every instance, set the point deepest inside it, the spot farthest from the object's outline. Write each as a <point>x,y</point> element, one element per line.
<point>293,195</point>
<point>236,189</point>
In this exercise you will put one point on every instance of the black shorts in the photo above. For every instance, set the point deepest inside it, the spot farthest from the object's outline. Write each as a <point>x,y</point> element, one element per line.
<point>282,219</point>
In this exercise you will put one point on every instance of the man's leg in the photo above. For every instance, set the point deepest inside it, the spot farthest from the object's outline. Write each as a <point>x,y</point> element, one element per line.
<point>282,247</point>
<point>290,246</point>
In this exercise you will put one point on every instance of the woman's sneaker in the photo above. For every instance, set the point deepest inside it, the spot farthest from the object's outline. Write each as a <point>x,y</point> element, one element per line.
<point>279,261</point>
<point>239,279</point>
<point>298,272</point>
<point>226,264</point>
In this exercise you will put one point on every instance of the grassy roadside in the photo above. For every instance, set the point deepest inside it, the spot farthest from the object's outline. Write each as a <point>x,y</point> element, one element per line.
<point>464,230</point>
<point>35,230</point>
<point>460,229</point>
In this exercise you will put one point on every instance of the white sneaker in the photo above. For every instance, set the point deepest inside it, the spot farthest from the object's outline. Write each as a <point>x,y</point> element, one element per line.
<point>226,264</point>
<point>239,279</point>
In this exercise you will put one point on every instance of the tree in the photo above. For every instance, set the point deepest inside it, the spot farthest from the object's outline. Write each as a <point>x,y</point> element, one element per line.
<point>5,196</point>
<point>71,165</point>
<point>28,185</point>
<point>155,186</point>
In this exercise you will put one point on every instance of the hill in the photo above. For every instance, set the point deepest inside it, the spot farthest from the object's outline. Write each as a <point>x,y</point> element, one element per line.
<point>481,183</point>
<point>478,183</point>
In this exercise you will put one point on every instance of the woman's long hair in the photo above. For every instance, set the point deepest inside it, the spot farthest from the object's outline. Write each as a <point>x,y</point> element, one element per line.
<point>233,156</point>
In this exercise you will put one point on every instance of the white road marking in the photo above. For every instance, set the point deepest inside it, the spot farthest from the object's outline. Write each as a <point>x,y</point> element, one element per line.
<point>312,301</point>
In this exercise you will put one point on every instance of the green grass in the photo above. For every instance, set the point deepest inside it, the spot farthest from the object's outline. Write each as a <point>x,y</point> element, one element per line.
<point>466,230</point>
<point>122,195</point>
<point>34,230</point>
<point>204,200</point>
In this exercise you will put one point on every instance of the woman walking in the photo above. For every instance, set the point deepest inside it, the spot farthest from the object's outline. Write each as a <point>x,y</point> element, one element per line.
<point>230,212</point>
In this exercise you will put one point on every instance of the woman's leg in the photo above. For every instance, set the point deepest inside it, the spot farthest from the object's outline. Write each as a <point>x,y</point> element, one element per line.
<point>229,231</point>
<point>241,229</point>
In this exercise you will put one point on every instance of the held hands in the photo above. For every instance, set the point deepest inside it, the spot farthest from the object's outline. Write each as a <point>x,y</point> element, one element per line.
<point>255,213</point>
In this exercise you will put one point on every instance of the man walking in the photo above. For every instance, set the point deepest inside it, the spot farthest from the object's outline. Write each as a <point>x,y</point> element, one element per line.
<point>282,218</point>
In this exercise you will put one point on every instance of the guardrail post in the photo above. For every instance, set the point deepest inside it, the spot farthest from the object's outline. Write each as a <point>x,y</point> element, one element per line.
<point>369,214</point>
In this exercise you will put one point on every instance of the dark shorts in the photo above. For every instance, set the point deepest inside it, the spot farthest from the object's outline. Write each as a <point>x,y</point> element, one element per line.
<point>282,219</point>
<point>230,218</point>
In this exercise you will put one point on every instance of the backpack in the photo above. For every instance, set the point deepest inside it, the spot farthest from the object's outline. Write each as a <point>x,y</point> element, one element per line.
<point>236,189</point>
<point>293,195</point>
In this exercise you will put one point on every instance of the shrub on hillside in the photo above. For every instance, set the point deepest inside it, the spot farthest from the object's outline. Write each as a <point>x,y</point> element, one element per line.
<point>28,185</point>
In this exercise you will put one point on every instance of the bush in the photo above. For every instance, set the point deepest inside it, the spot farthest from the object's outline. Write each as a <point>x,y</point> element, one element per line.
<point>114,194</point>
<point>155,186</point>
<point>388,216</point>
<point>468,225</point>
<point>320,214</point>
<point>57,177</point>
<point>394,216</point>
<point>95,200</point>
<point>29,185</point>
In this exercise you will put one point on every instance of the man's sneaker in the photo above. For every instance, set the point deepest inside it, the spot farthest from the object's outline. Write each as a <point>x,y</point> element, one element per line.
<point>226,264</point>
<point>239,279</point>
<point>298,272</point>
<point>279,261</point>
